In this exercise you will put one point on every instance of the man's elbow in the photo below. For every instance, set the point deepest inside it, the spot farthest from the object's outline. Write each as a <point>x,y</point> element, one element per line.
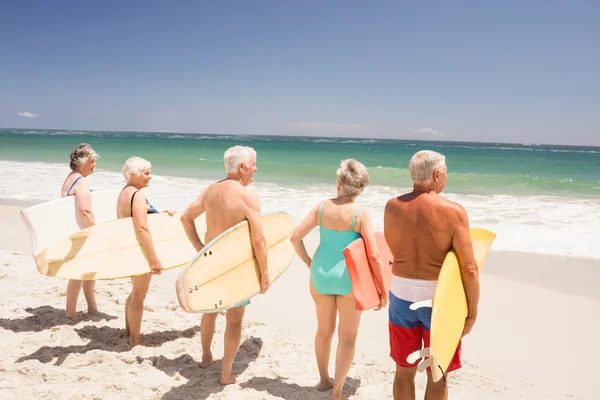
<point>258,240</point>
<point>185,219</point>
<point>470,272</point>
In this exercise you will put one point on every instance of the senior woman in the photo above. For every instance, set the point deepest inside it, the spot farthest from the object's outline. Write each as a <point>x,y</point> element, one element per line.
<point>340,221</point>
<point>133,203</point>
<point>82,163</point>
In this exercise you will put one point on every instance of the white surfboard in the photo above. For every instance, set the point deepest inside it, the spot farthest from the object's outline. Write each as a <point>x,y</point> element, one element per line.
<point>56,219</point>
<point>226,273</point>
<point>112,250</point>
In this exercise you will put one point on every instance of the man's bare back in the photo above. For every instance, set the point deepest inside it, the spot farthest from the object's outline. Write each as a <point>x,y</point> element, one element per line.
<point>419,229</point>
<point>227,203</point>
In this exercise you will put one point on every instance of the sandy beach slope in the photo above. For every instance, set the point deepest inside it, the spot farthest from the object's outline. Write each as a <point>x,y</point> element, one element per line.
<point>534,338</point>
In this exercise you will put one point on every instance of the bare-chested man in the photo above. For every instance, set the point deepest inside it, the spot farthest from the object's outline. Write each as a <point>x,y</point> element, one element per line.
<point>226,204</point>
<point>420,228</point>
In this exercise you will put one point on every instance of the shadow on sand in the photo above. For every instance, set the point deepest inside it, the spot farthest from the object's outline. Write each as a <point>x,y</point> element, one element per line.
<point>203,382</point>
<point>46,317</point>
<point>278,387</point>
<point>104,338</point>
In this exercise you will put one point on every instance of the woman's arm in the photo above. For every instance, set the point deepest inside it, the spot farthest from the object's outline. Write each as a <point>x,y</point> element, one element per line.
<point>140,222</point>
<point>368,235</point>
<point>83,202</point>
<point>303,229</point>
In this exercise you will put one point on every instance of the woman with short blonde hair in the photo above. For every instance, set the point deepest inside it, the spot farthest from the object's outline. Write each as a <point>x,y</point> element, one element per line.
<point>340,223</point>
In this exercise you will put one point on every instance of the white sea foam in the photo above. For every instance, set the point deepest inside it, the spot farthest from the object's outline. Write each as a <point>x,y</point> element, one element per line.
<point>541,224</point>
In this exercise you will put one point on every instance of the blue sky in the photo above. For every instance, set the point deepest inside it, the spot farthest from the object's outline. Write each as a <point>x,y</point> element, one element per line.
<point>503,71</point>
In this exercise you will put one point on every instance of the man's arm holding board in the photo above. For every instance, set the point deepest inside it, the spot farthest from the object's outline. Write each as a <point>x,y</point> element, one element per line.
<point>257,238</point>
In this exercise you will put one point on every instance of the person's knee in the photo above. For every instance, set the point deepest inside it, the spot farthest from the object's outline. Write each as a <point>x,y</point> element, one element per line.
<point>326,330</point>
<point>405,374</point>
<point>234,319</point>
<point>138,296</point>
<point>347,338</point>
<point>88,284</point>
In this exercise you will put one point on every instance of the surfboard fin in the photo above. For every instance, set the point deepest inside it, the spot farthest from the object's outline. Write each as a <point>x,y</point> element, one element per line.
<point>419,304</point>
<point>424,364</point>
<point>413,357</point>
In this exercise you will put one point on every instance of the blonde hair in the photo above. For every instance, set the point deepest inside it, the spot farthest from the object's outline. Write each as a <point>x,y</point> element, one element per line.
<point>80,155</point>
<point>134,166</point>
<point>352,177</point>
<point>236,155</point>
<point>424,163</point>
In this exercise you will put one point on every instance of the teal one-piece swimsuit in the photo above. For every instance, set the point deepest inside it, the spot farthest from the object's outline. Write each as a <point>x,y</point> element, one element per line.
<point>328,271</point>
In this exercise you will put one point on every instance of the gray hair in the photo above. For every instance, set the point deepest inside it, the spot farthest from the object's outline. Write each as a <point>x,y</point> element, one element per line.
<point>134,166</point>
<point>424,163</point>
<point>353,178</point>
<point>236,155</point>
<point>80,155</point>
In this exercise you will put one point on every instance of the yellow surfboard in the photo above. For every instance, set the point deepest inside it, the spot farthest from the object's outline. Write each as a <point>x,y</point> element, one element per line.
<point>225,272</point>
<point>111,250</point>
<point>450,304</point>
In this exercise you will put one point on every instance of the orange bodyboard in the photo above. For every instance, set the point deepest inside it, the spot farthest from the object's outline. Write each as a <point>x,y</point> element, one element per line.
<point>365,289</point>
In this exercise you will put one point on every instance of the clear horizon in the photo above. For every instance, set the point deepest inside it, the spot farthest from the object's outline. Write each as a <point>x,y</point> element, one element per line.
<point>491,73</point>
<point>301,136</point>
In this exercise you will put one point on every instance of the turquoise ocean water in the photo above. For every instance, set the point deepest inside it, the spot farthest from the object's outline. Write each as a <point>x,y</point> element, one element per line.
<point>535,198</point>
<point>474,168</point>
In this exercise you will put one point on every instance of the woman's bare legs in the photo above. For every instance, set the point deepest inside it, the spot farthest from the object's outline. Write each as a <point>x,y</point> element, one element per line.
<point>326,319</point>
<point>347,332</point>
<point>134,308</point>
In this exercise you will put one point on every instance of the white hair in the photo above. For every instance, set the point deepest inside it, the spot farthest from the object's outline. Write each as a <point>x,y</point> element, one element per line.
<point>353,178</point>
<point>424,163</point>
<point>236,155</point>
<point>134,166</point>
<point>80,155</point>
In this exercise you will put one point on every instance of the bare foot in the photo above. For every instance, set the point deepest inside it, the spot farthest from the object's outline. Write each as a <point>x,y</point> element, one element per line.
<point>227,381</point>
<point>73,317</point>
<point>92,310</point>
<point>139,342</point>
<point>324,386</point>
<point>207,361</point>
<point>126,333</point>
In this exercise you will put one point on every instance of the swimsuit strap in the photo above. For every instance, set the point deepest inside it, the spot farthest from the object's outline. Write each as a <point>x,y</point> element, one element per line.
<point>132,201</point>
<point>69,191</point>
<point>151,209</point>
<point>354,220</point>
<point>321,213</point>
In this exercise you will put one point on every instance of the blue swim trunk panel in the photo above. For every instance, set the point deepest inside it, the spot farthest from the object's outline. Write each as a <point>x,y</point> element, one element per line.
<point>402,315</point>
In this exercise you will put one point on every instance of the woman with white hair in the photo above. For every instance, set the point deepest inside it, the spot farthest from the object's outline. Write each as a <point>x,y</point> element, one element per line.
<point>132,203</point>
<point>82,163</point>
<point>340,221</point>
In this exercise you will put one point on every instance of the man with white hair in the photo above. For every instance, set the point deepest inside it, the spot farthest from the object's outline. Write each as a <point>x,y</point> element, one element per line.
<point>420,228</point>
<point>227,203</point>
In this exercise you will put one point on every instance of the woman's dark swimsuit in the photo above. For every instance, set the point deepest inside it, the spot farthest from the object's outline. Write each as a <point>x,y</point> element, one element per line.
<point>151,210</point>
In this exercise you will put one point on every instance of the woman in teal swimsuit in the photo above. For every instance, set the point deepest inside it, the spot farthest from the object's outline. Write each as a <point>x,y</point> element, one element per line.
<point>340,222</point>
<point>82,164</point>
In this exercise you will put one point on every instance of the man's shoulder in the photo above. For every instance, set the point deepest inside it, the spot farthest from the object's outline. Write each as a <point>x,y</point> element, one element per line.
<point>451,206</point>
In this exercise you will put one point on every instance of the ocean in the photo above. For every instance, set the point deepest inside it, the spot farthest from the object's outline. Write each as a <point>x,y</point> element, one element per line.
<point>537,198</point>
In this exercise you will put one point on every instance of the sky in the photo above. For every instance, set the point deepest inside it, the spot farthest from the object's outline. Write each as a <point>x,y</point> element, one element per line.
<point>504,71</point>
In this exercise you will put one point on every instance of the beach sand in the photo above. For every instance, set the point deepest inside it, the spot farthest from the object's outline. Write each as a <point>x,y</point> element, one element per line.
<point>534,338</point>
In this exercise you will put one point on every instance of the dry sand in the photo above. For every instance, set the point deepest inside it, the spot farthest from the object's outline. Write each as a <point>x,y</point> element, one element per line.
<point>534,338</point>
